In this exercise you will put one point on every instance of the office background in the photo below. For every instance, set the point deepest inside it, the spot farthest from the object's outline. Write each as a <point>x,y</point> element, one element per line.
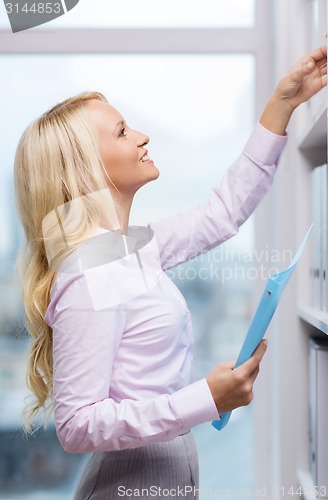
<point>194,78</point>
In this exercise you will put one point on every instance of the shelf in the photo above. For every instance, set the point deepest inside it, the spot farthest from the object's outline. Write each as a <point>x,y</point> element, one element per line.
<point>316,318</point>
<point>314,141</point>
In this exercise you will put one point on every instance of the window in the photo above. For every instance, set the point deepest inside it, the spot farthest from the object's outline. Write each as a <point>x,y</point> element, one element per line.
<point>153,14</point>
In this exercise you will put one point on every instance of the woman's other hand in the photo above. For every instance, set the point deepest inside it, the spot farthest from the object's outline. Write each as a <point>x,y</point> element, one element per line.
<point>233,387</point>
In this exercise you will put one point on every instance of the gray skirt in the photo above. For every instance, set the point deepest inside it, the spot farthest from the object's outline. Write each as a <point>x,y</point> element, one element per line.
<point>157,470</point>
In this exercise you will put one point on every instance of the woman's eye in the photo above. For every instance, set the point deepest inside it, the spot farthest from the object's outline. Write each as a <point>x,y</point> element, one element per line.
<point>122,132</point>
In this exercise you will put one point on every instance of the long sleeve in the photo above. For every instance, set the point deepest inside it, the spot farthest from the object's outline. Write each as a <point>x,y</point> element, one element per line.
<point>85,345</point>
<point>242,188</point>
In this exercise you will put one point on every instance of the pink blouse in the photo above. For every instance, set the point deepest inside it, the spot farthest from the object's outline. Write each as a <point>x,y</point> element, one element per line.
<point>122,331</point>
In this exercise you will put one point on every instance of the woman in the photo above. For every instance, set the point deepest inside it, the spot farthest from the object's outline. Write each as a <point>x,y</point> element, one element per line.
<point>112,337</point>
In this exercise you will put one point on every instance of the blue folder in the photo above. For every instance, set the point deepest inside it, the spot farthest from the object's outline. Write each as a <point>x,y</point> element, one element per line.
<point>271,296</point>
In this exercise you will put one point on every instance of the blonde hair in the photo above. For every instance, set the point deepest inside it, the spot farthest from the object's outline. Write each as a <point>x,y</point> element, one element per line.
<point>57,160</point>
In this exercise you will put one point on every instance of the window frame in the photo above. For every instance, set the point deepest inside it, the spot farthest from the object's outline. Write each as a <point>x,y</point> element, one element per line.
<point>256,40</point>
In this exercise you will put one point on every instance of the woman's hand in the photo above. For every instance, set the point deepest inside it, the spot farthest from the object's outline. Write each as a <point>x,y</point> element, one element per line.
<point>233,387</point>
<point>305,79</point>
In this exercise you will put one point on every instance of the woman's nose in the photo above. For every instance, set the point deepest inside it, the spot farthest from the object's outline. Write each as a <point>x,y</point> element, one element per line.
<point>143,139</point>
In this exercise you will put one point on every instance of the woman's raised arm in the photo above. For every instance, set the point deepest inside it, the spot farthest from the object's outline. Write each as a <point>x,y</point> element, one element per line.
<point>249,178</point>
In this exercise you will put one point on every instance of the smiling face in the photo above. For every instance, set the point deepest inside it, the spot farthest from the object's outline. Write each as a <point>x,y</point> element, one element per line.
<point>122,149</point>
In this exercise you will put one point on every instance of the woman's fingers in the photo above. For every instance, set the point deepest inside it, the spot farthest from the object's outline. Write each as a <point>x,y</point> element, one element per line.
<point>247,368</point>
<point>321,62</point>
<point>254,374</point>
<point>307,65</point>
<point>317,54</point>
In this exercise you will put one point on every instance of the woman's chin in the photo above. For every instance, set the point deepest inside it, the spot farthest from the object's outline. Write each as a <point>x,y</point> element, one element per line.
<point>156,173</point>
<point>153,173</point>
